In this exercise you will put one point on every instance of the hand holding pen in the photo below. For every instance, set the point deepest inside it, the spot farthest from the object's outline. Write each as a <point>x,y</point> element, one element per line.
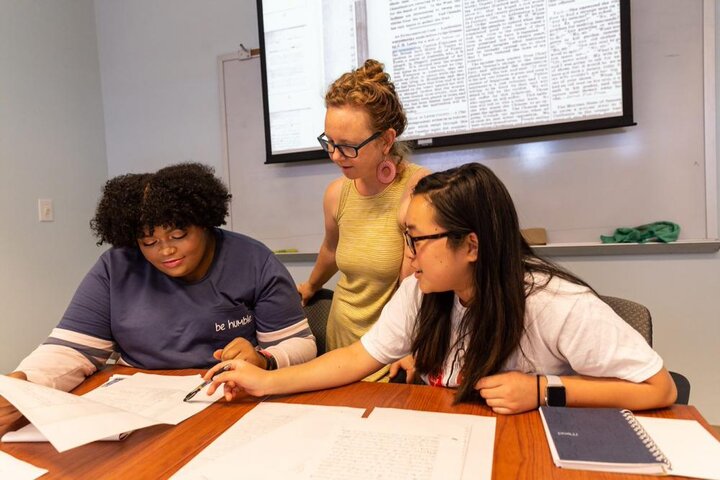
<point>206,383</point>
<point>242,378</point>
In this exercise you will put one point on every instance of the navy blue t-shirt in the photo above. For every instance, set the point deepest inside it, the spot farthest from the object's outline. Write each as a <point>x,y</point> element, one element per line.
<point>160,322</point>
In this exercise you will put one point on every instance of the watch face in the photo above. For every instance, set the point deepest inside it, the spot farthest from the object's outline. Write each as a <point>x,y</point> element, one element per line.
<point>556,396</point>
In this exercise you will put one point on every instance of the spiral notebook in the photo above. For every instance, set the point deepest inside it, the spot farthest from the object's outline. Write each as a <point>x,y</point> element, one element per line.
<point>602,439</point>
<point>612,440</point>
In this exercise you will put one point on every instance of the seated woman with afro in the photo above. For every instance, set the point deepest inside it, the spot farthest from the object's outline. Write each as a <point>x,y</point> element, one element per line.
<point>174,291</point>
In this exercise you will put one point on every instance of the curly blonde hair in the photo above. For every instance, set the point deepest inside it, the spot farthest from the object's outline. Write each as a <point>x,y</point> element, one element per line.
<point>369,87</point>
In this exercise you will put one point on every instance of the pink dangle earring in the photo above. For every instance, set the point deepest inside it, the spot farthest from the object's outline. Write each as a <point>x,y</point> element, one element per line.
<point>386,171</point>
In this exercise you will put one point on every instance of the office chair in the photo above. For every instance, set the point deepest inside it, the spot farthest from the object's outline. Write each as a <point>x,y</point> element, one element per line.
<point>317,311</point>
<point>638,317</point>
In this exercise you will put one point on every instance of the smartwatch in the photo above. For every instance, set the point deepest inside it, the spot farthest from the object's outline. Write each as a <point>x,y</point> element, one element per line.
<point>554,392</point>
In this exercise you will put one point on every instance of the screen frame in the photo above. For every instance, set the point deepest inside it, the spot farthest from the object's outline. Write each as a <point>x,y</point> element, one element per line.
<point>472,138</point>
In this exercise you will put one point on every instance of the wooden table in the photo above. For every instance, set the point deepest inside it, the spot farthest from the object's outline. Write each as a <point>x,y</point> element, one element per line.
<point>521,450</point>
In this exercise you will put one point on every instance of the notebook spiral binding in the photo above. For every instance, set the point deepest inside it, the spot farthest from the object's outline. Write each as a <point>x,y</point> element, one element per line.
<point>645,438</point>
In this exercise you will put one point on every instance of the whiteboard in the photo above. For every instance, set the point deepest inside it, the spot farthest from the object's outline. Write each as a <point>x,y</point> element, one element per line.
<point>576,186</point>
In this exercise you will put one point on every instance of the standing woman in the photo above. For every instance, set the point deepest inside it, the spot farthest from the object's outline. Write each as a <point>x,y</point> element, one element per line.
<point>364,210</point>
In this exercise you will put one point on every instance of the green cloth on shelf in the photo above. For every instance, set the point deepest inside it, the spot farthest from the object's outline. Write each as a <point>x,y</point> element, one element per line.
<point>658,232</point>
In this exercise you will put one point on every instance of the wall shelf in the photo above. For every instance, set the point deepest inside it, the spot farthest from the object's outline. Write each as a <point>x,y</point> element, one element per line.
<point>650,248</point>
<point>582,249</point>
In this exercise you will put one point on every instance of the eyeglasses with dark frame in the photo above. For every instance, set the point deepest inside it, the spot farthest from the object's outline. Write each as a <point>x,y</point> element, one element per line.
<point>348,151</point>
<point>411,241</point>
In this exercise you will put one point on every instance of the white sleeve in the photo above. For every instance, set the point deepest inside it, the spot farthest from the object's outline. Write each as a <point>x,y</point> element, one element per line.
<point>591,338</point>
<point>298,345</point>
<point>390,338</point>
<point>65,360</point>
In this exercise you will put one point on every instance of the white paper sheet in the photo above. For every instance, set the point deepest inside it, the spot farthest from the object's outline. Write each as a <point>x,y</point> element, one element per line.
<point>11,467</point>
<point>262,419</point>
<point>69,421</point>
<point>481,444</point>
<point>692,450</point>
<point>29,434</point>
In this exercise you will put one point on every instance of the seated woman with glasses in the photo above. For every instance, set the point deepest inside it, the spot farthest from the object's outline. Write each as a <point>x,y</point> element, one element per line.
<point>364,209</point>
<point>483,314</point>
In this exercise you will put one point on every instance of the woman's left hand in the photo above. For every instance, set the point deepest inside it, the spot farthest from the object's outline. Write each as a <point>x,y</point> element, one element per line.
<point>406,363</point>
<point>509,392</point>
<point>241,349</point>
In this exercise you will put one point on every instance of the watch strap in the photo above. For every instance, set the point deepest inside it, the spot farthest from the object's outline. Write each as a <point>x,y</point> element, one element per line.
<point>270,362</point>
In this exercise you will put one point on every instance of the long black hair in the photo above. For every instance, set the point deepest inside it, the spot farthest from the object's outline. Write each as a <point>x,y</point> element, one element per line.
<point>472,199</point>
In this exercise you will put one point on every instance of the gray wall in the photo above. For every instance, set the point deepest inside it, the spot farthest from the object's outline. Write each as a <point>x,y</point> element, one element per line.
<point>52,145</point>
<point>158,60</point>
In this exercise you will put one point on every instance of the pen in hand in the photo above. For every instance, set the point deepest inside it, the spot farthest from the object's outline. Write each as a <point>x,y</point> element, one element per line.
<point>205,383</point>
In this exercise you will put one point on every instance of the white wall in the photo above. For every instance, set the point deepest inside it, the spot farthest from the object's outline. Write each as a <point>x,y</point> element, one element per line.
<point>51,146</point>
<point>158,61</point>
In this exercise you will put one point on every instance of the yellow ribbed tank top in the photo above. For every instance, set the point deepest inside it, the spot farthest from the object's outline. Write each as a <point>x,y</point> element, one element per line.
<point>369,255</point>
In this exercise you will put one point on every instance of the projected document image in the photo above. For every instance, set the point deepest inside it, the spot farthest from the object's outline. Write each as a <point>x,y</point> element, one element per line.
<point>461,67</point>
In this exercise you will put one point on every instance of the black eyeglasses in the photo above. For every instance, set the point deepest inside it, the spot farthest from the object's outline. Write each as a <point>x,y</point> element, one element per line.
<point>349,151</point>
<point>411,241</point>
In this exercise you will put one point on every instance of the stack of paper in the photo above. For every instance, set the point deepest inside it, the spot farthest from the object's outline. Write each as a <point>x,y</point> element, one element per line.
<point>141,400</point>
<point>276,440</point>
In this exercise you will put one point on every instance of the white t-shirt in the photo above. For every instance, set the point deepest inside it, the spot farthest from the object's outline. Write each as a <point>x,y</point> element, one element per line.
<point>568,330</point>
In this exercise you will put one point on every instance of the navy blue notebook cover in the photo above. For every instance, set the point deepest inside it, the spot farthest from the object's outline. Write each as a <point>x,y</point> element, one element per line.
<point>603,439</point>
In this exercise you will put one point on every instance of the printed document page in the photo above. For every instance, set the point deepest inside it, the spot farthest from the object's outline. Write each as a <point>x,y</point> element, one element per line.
<point>159,397</point>
<point>11,467</point>
<point>402,449</point>
<point>481,443</point>
<point>68,420</point>
<point>692,450</point>
<point>262,419</point>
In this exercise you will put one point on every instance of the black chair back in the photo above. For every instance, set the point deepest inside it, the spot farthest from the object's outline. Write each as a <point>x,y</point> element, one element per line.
<point>317,311</point>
